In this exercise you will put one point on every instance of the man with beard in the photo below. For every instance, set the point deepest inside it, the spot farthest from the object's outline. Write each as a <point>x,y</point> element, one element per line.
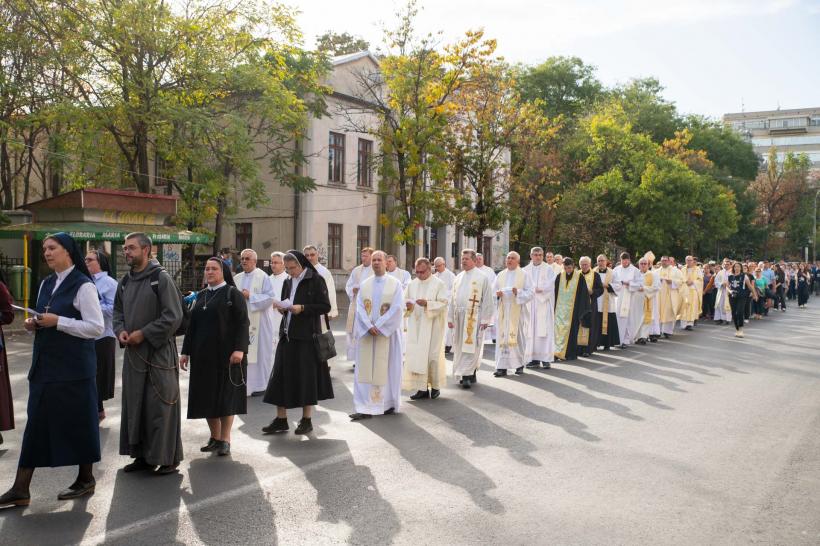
<point>607,305</point>
<point>572,310</point>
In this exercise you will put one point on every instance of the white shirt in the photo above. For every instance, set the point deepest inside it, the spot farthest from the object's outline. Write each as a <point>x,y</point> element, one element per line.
<point>87,302</point>
<point>400,275</point>
<point>294,283</point>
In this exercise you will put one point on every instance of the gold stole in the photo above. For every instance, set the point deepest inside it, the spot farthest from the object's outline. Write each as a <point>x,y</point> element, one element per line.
<point>419,327</point>
<point>605,311</point>
<point>509,338</point>
<point>648,280</point>
<point>473,316</point>
<point>374,351</point>
<point>564,310</point>
<point>258,278</point>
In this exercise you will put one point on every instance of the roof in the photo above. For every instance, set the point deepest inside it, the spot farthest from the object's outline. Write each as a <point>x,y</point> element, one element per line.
<point>96,231</point>
<point>772,113</point>
<point>96,198</point>
<point>351,57</point>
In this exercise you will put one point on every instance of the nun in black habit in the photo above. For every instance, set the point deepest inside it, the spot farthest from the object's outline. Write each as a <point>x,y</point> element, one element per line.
<point>216,346</point>
<point>63,425</point>
<point>299,378</point>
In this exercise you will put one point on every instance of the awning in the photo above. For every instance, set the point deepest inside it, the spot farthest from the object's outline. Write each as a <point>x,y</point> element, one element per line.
<point>93,231</point>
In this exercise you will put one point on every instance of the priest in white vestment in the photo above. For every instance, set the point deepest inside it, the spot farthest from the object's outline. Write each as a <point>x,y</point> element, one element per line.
<point>723,311</point>
<point>670,298</point>
<point>425,301</point>
<point>541,334</point>
<point>447,277</point>
<point>609,335</point>
<point>513,290</point>
<point>359,274</point>
<point>378,329</point>
<point>396,272</point>
<point>312,254</point>
<point>627,280</point>
<point>557,264</point>
<point>693,286</point>
<point>257,289</point>
<point>646,293</point>
<point>489,332</point>
<point>469,313</point>
<point>277,280</point>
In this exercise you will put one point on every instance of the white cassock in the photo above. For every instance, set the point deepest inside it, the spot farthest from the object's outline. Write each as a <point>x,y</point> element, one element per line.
<point>261,330</point>
<point>557,268</point>
<point>331,289</point>
<point>400,275</point>
<point>277,281</point>
<point>447,277</point>
<point>512,318</point>
<point>471,304</point>
<point>377,378</point>
<point>656,308</point>
<point>359,274</point>
<point>424,365</point>
<point>647,294</point>
<point>669,298</point>
<point>625,282</point>
<point>489,332</point>
<point>722,309</point>
<point>541,334</point>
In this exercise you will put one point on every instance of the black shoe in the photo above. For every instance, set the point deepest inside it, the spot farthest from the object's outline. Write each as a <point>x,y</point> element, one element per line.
<point>390,411</point>
<point>258,393</point>
<point>138,465</point>
<point>420,395</point>
<point>172,468</point>
<point>211,446</point>
<point>465,383</point>
<point>622,346</point>
<point>359,416</point>
<point>472,378</point>
<point>519,370</point>
<point>448,349</point>
<point>666,336</point>
<point>500,373</point>
<point>434,393</point>
<point>224,449</point>
<point>689,328</point>
<point>12,498</point>
<point>77,489</point>
<point>641,341</point>
<point>305,426</point>
<point>653,340</point>
<point>1,439</point>
<point>718,322</point>
<point>493,342</point>
<point>280,424</point>
<point>546,365</point>
<point>533,364</point>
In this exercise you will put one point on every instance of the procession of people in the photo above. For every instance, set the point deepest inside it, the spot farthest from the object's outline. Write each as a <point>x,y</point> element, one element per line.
<point>256,333</point>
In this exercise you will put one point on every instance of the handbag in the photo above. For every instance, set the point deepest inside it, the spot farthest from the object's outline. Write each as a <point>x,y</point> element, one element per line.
<point>325,343</point>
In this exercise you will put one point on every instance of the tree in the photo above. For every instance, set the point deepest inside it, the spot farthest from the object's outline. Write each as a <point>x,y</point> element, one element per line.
<point>646,109</point>
<point>780,191</point>
<point>406,105</point>
<point>565,86</point>
<point>335,44</point>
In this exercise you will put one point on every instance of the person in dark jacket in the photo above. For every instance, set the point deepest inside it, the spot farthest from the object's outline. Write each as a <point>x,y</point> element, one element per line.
<point>216,344</point>
<point>63,425</point>
<point>299,378</point>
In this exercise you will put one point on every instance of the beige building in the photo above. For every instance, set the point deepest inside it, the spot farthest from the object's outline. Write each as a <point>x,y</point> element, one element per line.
<point>796,131</point>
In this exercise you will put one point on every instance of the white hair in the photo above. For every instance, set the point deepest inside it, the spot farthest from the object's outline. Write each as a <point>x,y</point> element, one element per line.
<point>584,259</point>
<point>250,251</point>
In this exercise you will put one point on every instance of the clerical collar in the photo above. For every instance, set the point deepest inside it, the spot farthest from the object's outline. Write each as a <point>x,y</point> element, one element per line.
<point>217,287</point>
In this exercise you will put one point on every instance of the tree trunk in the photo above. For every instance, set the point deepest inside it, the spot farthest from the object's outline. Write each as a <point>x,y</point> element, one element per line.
<point>5,176</point>
<point>142,178</point>
<point>218,221</point>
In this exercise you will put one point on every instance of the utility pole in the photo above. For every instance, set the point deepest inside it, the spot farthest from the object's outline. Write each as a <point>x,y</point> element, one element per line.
<point>814,233</point>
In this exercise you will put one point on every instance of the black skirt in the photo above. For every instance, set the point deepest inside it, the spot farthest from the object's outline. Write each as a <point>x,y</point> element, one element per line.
<point>63,427</point>
<point>299,378</point>
<point>106,373</point>
<point>217,390</point>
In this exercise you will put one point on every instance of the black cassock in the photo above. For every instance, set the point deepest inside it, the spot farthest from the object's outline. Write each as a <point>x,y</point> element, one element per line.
<point>581,315</point>
<point>594,322</point>
<point>612,338</point>
<point>219,326</point>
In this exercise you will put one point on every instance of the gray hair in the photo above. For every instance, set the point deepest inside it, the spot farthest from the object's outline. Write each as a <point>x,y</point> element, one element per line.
<point>423,260</point>
<point>535,249</point>
<point>584,259</point>
<point>277,254</point>
<point>515,254</point>
<point>309,247</point>
<point>439,258</point>
<point>472,253</point>
<point>250,251</point>
<point>142,239</point>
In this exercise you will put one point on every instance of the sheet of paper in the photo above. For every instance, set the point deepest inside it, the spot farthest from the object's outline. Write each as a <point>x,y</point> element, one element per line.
<point>283,304</point>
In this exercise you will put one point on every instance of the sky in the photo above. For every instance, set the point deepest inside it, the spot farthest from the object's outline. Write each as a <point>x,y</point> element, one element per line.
<point>712,56</point>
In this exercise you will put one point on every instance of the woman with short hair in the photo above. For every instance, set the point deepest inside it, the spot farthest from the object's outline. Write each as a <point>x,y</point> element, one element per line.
<point>63,424</point>
<point>740,288</point>
<point>106,345</point>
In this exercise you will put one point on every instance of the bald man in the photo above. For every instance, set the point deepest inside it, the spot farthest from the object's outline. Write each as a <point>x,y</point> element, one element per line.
<point>257,288</point>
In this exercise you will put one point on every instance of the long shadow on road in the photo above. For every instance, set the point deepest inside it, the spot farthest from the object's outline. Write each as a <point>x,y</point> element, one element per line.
<point>67,527</point>
<point>143,497</point>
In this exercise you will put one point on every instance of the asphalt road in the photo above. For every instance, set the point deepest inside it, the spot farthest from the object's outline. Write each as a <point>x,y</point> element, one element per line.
<point>702,439</point>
